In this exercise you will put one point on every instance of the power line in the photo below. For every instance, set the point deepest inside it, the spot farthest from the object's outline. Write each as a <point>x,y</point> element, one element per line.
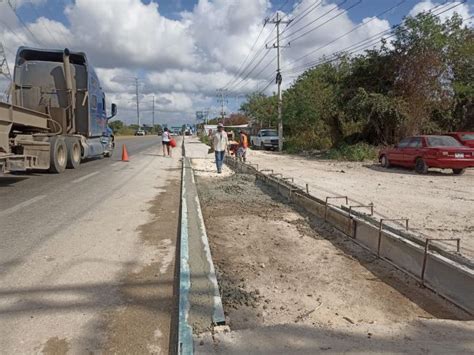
<point>297,18</point>
<point>324,23</point>
<point>60,30</point>
<point>259,52</point>
<point>303,14</point>
<point>45,26</point>
<point>24,25</point>
<point>359,46</point>
<point>351,31</point>
<point>250,51</point>
<point>235,81</point>
<point>316,19</point>
<point>11,31</point>
<point>251,71</point>
<point>246,80</point>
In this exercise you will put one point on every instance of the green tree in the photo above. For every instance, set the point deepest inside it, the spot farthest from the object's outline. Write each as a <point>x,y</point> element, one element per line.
<point>116,125</point>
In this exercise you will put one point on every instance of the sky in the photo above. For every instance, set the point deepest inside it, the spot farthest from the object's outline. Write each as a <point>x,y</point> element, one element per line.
<point>182,51</point>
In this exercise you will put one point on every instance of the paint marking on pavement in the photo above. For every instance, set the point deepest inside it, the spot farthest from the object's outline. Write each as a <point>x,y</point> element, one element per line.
<point>21,205</point>
<point>84,177</point>
<point>117,163</point>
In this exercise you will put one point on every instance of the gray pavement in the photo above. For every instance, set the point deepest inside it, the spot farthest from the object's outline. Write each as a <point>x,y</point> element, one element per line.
<point>68,241</point>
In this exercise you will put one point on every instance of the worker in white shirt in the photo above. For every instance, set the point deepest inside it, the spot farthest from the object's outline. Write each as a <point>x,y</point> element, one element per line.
<point>220,143</point>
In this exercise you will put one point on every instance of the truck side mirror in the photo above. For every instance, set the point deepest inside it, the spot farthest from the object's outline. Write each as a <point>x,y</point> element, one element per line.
<point>113,110</point>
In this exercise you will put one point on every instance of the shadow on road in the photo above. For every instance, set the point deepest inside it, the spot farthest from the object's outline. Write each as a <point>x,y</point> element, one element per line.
<point>10,180</point>
<point>407,171</point>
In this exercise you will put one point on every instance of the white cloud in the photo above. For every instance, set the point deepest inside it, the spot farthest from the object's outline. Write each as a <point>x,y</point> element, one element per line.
<point>183,61</point>
<point>438,7</point>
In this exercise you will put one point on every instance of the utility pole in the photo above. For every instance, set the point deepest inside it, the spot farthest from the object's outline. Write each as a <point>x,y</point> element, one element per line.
<point>5,71</point>
<point>153,113</point>
<point>222,99</point>
<point>277,20</point>
<point>138,103</point>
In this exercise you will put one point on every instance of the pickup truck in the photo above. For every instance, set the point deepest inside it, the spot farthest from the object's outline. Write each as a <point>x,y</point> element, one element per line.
<point>265,139</point>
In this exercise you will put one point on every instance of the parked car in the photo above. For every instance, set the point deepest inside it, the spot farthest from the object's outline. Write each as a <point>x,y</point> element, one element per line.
<point>140,132</point>
<point>265,139</point>
<point>424,152</point>
<point>466,138</point>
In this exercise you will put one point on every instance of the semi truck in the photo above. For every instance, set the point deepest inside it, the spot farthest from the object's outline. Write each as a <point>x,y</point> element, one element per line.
<point>57,115</point>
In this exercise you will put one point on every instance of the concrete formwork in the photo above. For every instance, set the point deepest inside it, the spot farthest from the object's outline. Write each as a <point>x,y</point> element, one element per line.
<point>449,277</point>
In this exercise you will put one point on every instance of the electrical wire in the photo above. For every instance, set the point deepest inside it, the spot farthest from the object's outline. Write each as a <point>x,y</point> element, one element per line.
<point>357,47</point>
<point>351,31</point>
<point>315,20</point>
<point>265,67</point>
<point>248,55</point>
<point>237,79</point>
<point>11,31</point>
<point>324,23</point>
<point>35,39</point>
<point>298,17</point>
<point>45,26</point>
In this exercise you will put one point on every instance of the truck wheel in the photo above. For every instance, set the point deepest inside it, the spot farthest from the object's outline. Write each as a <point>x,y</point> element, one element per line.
<point>420,166</point>
<point>262,147</point>
<point>58,155</point>
<point>73,153</point>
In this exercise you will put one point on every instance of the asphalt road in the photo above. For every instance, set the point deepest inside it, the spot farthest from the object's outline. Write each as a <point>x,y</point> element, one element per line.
<point>67,243</point>
<point>34,205</point>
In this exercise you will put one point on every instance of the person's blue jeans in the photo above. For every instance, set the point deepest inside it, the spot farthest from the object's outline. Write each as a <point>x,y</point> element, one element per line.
<point>219,160</point>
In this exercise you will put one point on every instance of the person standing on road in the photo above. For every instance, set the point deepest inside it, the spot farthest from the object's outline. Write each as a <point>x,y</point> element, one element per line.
<point>165,141</point>
<point>243,145</point>
<point>220,143</point>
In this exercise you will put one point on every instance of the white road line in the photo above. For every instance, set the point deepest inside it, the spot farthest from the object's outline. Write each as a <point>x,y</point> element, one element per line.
<point>21,205</point>
<point>84,177</point>
<point>117,163</point>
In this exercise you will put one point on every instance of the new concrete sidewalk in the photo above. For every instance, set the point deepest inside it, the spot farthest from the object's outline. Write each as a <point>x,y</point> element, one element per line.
<point>204,303</point>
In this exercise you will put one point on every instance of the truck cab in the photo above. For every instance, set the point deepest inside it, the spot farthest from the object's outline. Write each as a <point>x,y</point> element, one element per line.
<point>58,113</point>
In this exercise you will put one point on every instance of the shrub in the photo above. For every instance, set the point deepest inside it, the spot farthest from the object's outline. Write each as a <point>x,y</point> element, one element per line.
<point>356,152</point>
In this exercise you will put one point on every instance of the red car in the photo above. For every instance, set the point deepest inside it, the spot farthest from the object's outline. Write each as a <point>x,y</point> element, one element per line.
<point>466,138</point>
<point>424,152</point>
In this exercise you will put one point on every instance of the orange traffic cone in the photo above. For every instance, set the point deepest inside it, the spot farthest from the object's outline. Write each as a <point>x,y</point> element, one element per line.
<point>124,153</point>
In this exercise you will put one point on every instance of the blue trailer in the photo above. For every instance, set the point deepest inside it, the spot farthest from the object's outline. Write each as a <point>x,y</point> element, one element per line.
<point>57,116</point>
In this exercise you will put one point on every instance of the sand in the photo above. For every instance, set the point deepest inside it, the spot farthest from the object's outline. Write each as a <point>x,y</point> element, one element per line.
<point>438,204</point>
<point>291,284</point>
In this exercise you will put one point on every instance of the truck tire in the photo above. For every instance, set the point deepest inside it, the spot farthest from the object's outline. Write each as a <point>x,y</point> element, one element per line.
<point>74,153</point>
<point>58,155</point>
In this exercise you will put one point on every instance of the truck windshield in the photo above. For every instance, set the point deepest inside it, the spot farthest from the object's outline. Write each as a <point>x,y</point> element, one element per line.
<point>269,133</point>
<point>442,141</point>
<point>467,137</point>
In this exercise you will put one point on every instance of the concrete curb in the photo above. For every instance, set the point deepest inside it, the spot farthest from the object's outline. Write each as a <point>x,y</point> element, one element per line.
<point>218,316</point>
<point>185,332</point>
<point>445,276</point>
